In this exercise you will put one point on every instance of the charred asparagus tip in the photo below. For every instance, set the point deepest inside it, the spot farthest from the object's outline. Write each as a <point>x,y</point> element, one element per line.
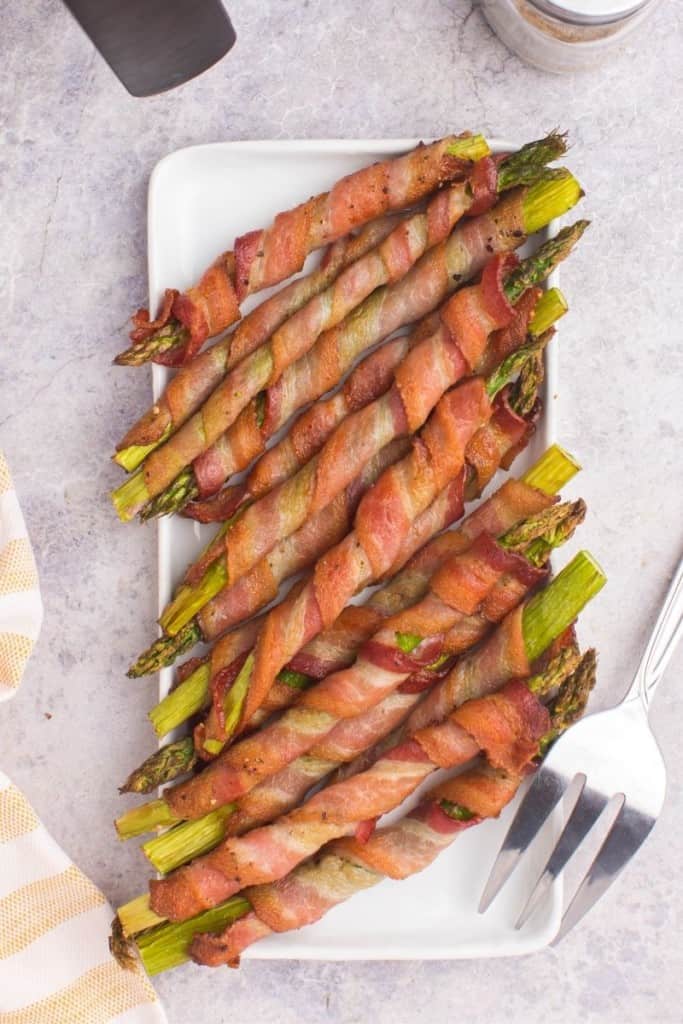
<point>166,338</point>
<point>515,363</point>
<point>570,703</point>
<point>539,549</point>
<point>121,947</point>
<point>524,166</point>
<point>537,267</point>
<point>165,650</point>
<point>174,498</point>
<point>555,673</point>
<point>552,527</point>
<point>162,766</point>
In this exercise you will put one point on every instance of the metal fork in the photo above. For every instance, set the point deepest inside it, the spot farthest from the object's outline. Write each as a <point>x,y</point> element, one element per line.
<point>612,801</point>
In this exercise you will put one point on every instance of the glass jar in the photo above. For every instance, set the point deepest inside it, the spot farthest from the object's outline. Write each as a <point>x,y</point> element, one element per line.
<point>565,35</point>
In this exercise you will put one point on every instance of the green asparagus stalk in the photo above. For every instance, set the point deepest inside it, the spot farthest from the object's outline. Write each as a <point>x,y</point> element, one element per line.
<point>170,849</point>
<point>166,946</point>
<point>181,703</point>
<point>163,946</point>
<point>552,527</point>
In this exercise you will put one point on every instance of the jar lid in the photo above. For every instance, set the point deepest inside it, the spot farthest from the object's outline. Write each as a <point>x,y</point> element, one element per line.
<point>590,12</point>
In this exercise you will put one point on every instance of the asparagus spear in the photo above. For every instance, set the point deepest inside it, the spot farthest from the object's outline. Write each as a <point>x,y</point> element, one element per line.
<point>553,194</point>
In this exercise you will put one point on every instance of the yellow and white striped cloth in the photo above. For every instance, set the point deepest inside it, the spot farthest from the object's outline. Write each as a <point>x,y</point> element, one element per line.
<point>55,964</point>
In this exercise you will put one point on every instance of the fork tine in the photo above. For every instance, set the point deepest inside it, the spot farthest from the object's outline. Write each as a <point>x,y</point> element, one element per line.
<point>587,808</point>
<point>543,794</point>
<point>628,832</point>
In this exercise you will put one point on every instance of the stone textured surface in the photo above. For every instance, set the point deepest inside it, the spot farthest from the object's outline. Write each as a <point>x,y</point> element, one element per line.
<point>76,155</point>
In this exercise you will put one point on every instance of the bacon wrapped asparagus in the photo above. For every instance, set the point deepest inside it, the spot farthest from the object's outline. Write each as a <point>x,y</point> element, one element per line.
<point>269,852</point>
<point>354,736</point>
<point>496,444</point>
<point>266,257</point>
<point>395,851</point>
<point>455,740</point>
<point>429,282</point>
<point>360,437</point>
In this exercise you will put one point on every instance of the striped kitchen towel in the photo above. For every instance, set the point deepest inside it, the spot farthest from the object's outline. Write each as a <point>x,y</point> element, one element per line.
<point>55,964</point>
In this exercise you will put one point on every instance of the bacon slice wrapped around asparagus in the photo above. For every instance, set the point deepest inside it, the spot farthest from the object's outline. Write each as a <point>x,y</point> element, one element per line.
<point>265,257</point>
<point>434,276</point>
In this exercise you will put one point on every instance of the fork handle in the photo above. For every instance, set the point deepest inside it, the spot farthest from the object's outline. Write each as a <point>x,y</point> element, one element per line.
<point>665,636</point>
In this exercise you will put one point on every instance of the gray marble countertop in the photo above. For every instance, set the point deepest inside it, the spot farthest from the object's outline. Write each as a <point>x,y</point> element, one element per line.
<point>76,157</point>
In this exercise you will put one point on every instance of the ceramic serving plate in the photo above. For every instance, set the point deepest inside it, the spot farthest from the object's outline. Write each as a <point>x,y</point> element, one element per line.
<point>200,199</point>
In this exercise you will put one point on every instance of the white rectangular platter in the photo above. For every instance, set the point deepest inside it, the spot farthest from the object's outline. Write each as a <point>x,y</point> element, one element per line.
<point>200,199</point>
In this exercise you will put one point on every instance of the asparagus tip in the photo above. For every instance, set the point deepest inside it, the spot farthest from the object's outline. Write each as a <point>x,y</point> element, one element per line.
<point>121,947</point>
<point>162,766</point>
<point>165,650</point>
<point>167,337</point>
